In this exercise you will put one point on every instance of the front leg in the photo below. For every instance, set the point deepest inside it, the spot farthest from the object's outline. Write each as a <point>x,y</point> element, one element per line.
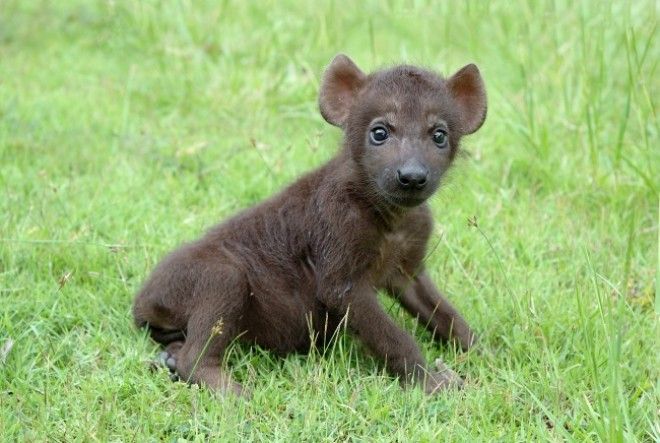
<point>402,357</point>
<point>421,298</point>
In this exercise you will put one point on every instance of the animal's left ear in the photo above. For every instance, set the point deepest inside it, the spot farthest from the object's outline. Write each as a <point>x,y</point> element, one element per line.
<point>468,91</point>
<point>341,84</point>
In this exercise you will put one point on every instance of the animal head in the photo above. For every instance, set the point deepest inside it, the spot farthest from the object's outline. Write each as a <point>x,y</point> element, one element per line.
<point>402,125</point>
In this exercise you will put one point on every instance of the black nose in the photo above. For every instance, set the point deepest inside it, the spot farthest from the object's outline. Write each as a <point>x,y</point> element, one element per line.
<point>414,177</point>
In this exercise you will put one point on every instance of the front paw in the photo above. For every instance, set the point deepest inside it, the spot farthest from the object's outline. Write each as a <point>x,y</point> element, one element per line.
<point>441,379</point>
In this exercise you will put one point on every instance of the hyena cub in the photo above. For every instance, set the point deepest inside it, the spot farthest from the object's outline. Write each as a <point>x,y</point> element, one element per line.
<point>317,253</point>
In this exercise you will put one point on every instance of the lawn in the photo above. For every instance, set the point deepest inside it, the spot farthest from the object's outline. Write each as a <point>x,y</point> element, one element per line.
<point>129,127</point>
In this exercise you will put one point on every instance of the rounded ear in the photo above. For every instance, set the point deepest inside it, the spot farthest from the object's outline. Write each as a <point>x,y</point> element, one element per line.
<point>468,91</point>
<point>341,83</point>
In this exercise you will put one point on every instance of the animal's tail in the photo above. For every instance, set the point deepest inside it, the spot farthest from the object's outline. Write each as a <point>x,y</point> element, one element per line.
<point>163,336</point>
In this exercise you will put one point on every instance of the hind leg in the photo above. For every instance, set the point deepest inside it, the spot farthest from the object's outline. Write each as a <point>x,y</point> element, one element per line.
<point>198,359</point>
<point>220,297</point>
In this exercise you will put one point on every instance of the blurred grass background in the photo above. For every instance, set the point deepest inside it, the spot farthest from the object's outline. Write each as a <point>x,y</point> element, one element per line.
<point>127,127</point>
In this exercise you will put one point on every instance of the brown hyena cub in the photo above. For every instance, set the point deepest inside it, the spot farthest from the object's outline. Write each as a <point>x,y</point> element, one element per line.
<point>318,252</point>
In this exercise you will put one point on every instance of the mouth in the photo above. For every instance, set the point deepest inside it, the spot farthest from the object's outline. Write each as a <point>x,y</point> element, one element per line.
<point>406,201</point>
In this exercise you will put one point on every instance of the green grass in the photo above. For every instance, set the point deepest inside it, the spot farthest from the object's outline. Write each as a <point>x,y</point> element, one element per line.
<point>128,127</point>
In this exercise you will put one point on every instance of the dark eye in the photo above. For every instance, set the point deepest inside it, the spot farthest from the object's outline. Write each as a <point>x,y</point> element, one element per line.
<point>378,135</point>
<point>440,138</point>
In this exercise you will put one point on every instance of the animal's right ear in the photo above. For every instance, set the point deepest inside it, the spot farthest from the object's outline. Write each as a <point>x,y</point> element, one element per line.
<point>341,84</point>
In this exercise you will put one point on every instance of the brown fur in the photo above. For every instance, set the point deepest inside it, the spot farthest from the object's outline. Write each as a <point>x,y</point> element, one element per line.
<point>318,251</point>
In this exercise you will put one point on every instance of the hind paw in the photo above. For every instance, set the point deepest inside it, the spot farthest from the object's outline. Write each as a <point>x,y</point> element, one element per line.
<point>167,359</point>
